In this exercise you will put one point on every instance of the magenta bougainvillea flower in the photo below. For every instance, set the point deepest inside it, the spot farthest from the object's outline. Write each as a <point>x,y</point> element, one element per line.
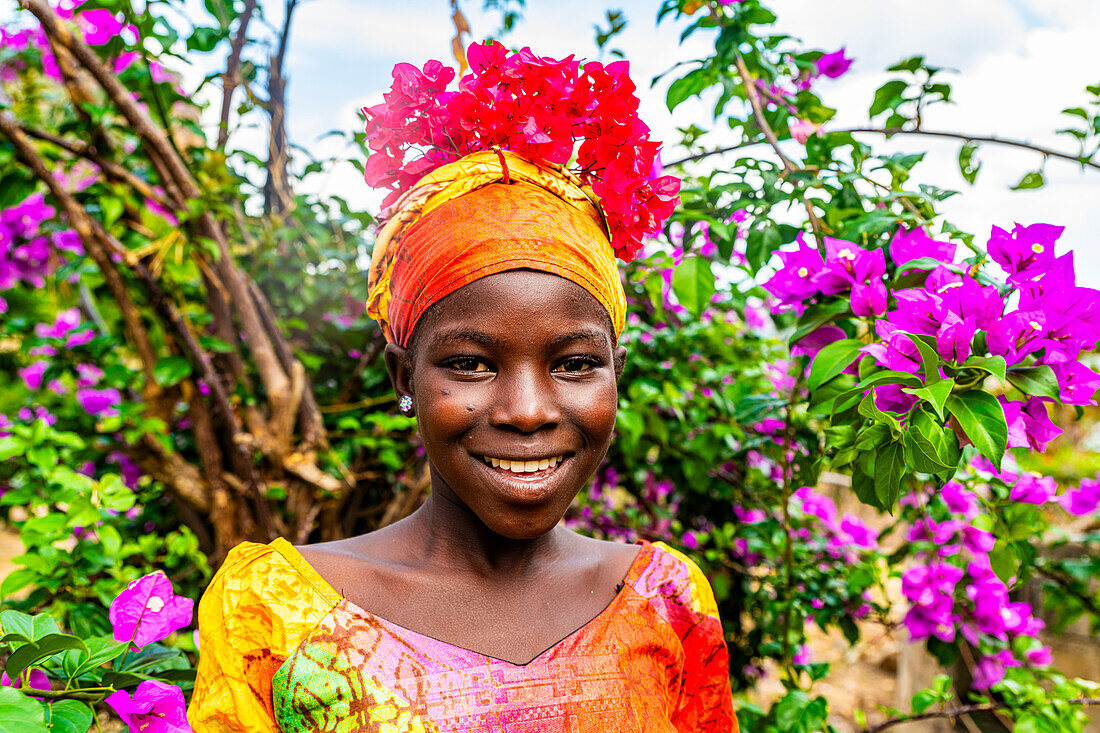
<point>1026,252</point>
<point>148,610</point>
<point>1033,489</point>
<point>834,65</point>
<point>99,402</point>
<point>156,707</point>
<point>1085,499</point>
<point>931,590</point>
<point>36,679</point>
<point>913,244</point>
<point>991,670</point>
<point>32,375</point>
<point>795,281</point>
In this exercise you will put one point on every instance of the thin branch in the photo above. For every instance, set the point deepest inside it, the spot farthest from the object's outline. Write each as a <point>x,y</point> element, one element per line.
<point>769,134</point>
<point>111,168</point>
<point>890,131</point>
<point>233,70</point>
<point>758,113</point>
<point>964,710</point>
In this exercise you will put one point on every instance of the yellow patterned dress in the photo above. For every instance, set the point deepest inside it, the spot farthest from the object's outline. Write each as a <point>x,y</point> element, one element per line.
<point>282,651</point>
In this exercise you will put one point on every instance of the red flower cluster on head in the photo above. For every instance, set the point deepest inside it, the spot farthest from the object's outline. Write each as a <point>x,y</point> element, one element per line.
<point>537,107</point>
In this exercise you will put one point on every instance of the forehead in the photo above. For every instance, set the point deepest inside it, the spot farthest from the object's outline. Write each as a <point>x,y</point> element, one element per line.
<point>520,303</point>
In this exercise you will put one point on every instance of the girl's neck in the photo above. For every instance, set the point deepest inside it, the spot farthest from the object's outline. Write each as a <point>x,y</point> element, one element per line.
<point>452,538</point>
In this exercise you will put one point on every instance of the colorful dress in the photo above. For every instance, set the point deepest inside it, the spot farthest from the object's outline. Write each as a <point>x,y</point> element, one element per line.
<point>282,651</point>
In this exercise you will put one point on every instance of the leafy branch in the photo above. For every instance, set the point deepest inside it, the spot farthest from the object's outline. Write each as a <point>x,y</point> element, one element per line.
<point>964,710</point>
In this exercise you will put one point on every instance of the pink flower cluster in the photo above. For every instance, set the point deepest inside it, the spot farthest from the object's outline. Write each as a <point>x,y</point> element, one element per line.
<point>535,106</point>
<point>953,589</point>
<point>98,26</point>
<point>25,249</point>
<point>146,612</point>
<point>1041,315</point>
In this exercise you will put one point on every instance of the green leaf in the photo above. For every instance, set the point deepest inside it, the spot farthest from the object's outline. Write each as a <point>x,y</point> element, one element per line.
<point>1031,180</point>
<point>694,284</point>
<point>16,580</point>
<point>868,408</point>
<point>1037,380</point>
<point>688,86</point>
<point>69,716</point>
<point>910,64</point>
<point>832,360</point>
<point>929,358</point>
<point>171,370</point>
<point>759,245</point>
<point>816,316</point>
<point>31,654</point>
<point>203,39</point>
<point>889,470</point>
<point>112,208</point>
<point>923,700</point>
<point>98,651</point>
<point>982,418</point>
<point>15,622</point>
<point>995,365</point>
<point>968,165</point>
<point>10,447</point>
<point>935,394</point>
<point>887,96</point>
<point>1003,561</point>
<point>19,713</point>
<point>929,447</point>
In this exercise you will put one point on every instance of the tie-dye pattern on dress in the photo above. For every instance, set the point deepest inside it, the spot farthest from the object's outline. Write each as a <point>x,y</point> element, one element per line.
<point>282,651</point>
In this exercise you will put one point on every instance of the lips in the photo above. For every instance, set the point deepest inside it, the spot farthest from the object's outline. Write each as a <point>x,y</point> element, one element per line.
<point>516,482</point>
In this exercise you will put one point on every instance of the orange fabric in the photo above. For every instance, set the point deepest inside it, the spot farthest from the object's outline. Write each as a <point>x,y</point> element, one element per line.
<point>282,652</point>
<point>476,217</point>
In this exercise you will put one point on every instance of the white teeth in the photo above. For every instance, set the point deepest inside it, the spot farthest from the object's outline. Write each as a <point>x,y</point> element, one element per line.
<point>523,466</point>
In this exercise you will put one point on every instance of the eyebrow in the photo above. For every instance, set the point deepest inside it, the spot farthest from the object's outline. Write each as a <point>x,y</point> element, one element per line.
<point>462,334</point>
<point>598,338</point>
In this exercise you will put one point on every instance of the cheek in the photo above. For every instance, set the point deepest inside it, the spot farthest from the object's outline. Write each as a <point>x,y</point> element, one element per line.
<point>595,411</point>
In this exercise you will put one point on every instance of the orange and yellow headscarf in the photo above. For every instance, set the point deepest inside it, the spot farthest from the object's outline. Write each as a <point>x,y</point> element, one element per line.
<point>488,212</point>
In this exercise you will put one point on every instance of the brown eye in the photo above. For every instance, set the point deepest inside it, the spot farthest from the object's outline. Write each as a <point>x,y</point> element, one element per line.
<point>576,364</point>
<point>468,364</point>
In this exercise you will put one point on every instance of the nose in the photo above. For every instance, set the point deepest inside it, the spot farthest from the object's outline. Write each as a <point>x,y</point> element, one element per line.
<point>525,402</point>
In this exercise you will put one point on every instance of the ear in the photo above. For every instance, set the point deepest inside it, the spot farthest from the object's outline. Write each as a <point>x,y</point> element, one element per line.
<point>400,369</point>
<point>620,361</point>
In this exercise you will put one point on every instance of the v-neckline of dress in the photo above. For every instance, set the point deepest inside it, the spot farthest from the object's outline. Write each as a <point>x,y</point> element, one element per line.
<point>332,596</point>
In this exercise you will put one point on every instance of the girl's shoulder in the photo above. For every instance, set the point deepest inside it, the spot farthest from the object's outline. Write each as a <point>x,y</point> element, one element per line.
<point>259,584</point>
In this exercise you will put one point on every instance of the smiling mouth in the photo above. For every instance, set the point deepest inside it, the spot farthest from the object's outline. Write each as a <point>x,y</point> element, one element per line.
<point>518,467</point>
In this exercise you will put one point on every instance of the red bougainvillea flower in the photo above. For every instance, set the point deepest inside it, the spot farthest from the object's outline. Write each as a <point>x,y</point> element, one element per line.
<point>156,707</point>
<point>148,610</point>
<point>538,107</point>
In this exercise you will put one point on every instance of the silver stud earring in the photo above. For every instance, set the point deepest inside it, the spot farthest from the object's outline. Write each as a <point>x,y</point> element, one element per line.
<point>405,404</point>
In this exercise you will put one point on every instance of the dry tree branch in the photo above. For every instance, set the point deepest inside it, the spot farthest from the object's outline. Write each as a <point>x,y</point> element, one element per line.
<point>233,70</point>
<point>86,228</point>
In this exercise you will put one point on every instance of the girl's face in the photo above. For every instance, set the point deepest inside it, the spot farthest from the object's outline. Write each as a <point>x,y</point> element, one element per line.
<point>514,387</point>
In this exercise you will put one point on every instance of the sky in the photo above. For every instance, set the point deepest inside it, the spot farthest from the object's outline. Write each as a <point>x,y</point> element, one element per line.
<point>1019,63</point>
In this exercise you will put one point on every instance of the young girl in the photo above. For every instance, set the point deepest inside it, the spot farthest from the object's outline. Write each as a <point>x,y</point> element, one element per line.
<point>494,280</point>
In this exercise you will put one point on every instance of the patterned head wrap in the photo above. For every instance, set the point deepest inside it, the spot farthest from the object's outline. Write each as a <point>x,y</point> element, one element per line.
<point>488,212</point>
